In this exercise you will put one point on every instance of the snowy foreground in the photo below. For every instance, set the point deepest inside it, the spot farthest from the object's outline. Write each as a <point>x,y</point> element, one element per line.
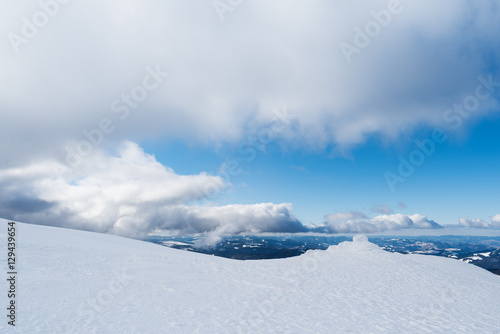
<point>73,281</point>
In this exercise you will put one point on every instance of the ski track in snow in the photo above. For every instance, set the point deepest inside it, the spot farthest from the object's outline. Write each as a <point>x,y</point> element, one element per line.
<point>80,282</point>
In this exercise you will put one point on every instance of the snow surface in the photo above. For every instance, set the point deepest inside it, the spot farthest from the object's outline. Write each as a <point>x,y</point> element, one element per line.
<point>80,282</point>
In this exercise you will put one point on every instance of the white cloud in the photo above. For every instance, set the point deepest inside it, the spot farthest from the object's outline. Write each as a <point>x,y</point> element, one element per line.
<point>237,218</point>
<point>379,223</point>
<point>131,194</point>
<point>495,220</point>
<point>226,78</point>
<point>479,223</point>
<point>473,223</point>
<point>421,221</point>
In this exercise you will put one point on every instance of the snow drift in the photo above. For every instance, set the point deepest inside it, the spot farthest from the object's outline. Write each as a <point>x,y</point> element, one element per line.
<point>72,281</point>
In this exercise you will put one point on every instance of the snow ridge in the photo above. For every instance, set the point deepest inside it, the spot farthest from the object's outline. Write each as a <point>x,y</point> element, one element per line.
<point>81,282</point>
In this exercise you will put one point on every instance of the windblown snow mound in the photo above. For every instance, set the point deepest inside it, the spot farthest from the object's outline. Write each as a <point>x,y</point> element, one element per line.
<point>80,282</point>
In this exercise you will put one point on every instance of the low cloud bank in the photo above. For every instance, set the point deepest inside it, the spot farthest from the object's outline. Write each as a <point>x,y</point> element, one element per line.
<point>479,223</point>
<point>357,222</point>
<point>131,194</point>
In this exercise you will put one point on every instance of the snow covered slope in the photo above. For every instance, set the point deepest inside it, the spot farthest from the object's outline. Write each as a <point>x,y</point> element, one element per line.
<point>73,281</point>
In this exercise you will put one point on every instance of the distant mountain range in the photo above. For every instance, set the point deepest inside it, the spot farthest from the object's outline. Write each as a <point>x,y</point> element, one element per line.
<point>489,260</point>
<point>480,251</point>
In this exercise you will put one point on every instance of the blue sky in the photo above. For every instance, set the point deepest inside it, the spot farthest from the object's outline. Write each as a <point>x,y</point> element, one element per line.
<point>131,117</point>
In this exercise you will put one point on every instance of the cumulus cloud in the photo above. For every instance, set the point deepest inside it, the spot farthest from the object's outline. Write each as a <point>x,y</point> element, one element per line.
<point>473,223</point>
<point>378,223</point>
<point>237,218</point>
<point>479,223</point>
<point>226,79</point>
<point>495,220</point>
<point>131,194</point>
